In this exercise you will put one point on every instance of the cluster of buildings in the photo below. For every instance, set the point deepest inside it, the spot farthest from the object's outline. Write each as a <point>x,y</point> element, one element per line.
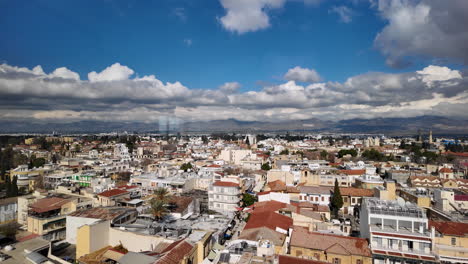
<point>243,201</point>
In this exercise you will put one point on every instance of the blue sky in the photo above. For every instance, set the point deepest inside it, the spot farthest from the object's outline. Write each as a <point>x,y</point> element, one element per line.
<point>247,45</point>
<point>148,36</point>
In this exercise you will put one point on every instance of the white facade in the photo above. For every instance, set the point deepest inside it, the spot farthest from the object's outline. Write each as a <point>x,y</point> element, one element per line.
<point>223,199</point>
<point>8,210</point>
<point>397,231</point>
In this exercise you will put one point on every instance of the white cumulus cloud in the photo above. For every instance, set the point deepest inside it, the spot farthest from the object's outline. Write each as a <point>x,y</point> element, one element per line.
<point>115,72</point>
<point>300,74</point>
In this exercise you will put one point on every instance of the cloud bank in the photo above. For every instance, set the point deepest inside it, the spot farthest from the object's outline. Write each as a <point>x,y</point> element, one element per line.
<point>113,94</point>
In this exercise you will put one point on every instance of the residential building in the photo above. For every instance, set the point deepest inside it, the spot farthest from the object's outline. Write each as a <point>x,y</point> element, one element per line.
<point>398,231</point>
<point>224,196</point>
<point>112,197</point>
<point>450,241</point>
<point>329,248</point>
<point>315,194</point>
<point>47,216</point>
<point>352,198</point>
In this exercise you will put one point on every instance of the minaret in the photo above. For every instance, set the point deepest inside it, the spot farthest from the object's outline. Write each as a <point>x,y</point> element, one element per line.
<point>430,136</point>
<point>419,135</point>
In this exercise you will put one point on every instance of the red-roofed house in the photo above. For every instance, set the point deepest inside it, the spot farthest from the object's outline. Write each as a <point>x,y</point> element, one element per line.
<point>330,248</point>
<point>224,196</point>
<point>274,221</point>
<point>446,173</point>
<point>112,197</point>
<point>451,241</point>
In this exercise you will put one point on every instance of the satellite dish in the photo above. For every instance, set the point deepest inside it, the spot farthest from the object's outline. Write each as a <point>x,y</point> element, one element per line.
<point>401,202</point>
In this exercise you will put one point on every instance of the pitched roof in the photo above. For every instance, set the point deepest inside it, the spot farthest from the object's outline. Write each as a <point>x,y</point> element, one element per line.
<point>255,234</point>
<point>174,255</point>
<point>268,206</point>
<point>225,184</point>
<point>351,191</point>
<point>301,237</point>
<point>315,189</point>
<point>450,228</point>
<point>181,203</point>
<point>446,170</point>
<point>113,192</point>
<point>270,220</point>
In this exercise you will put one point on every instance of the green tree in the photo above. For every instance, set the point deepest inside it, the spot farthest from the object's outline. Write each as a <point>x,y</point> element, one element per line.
<point>186,166</point>
<point>344,152</point>
<point>248,199</point>
<point>39,162</point>
<point>8,186</point>
<point>324,154</point>
<point>162,194</point>
<point>247,141</point>
<point>337,200</point>
<point>14,187</point>
<point>266,167</point>
<point>284,152</point>
<point>158,208</point>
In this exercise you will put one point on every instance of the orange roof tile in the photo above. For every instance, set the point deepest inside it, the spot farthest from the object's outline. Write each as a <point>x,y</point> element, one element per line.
<point>270,220</point>
<point>301,237</point>
<point>113,192</point>
<point>225,184</point>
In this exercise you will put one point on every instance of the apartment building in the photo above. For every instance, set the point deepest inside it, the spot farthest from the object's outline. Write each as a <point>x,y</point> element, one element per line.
<point>397,230</point>
<point>47,216</point>
<point>450,241</point>
<point>224,196</point>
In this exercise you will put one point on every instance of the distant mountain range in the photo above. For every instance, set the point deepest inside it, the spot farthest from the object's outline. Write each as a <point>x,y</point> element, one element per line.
<point>403,126</point>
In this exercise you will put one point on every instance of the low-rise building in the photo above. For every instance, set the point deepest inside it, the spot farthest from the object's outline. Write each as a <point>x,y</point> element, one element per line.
<point>450,241</point>
<point>329,248</point>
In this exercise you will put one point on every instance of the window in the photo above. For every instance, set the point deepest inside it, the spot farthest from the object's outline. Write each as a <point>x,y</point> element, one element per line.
<point>353,200</point>
<point>359,261</point>
<point>454,241</point>
<point>323,199</point>
<point>336,261</point>
<point>345,199</point>
<point>317,256</point>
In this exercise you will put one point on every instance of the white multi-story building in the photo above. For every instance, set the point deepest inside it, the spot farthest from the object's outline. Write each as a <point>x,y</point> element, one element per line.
<point>234,156</point>
<point>121,152</point>
<point>224,196</point>
<point>398,232</point>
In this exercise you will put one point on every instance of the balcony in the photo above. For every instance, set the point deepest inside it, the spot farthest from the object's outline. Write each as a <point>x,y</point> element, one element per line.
<point>401,231</point>
<point>402,250</point>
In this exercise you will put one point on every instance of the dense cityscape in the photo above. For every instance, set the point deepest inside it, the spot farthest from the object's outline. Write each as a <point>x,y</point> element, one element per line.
<point>233,198</point>
<point>233,131</point>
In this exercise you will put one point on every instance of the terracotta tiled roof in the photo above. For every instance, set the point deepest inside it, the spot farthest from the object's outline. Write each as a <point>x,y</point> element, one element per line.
<point>446,170</point>
<point>174,255</point>
<point>268,206</point>
<point>104,213</point>
<point>255,234</point>
<point>301,237</point>
<point>450,228</point>
<point>459,154</point>
<point>352,172</point>
<point>351,191</point>
<point>113,192</point>
<point>225,184</point>
<point>315,189</point>
<point>270,220</point>
<point>181,202</point>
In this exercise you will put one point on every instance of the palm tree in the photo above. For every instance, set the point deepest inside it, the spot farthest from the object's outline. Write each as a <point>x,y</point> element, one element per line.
<point>162,194</point>
<point>158,208</point>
